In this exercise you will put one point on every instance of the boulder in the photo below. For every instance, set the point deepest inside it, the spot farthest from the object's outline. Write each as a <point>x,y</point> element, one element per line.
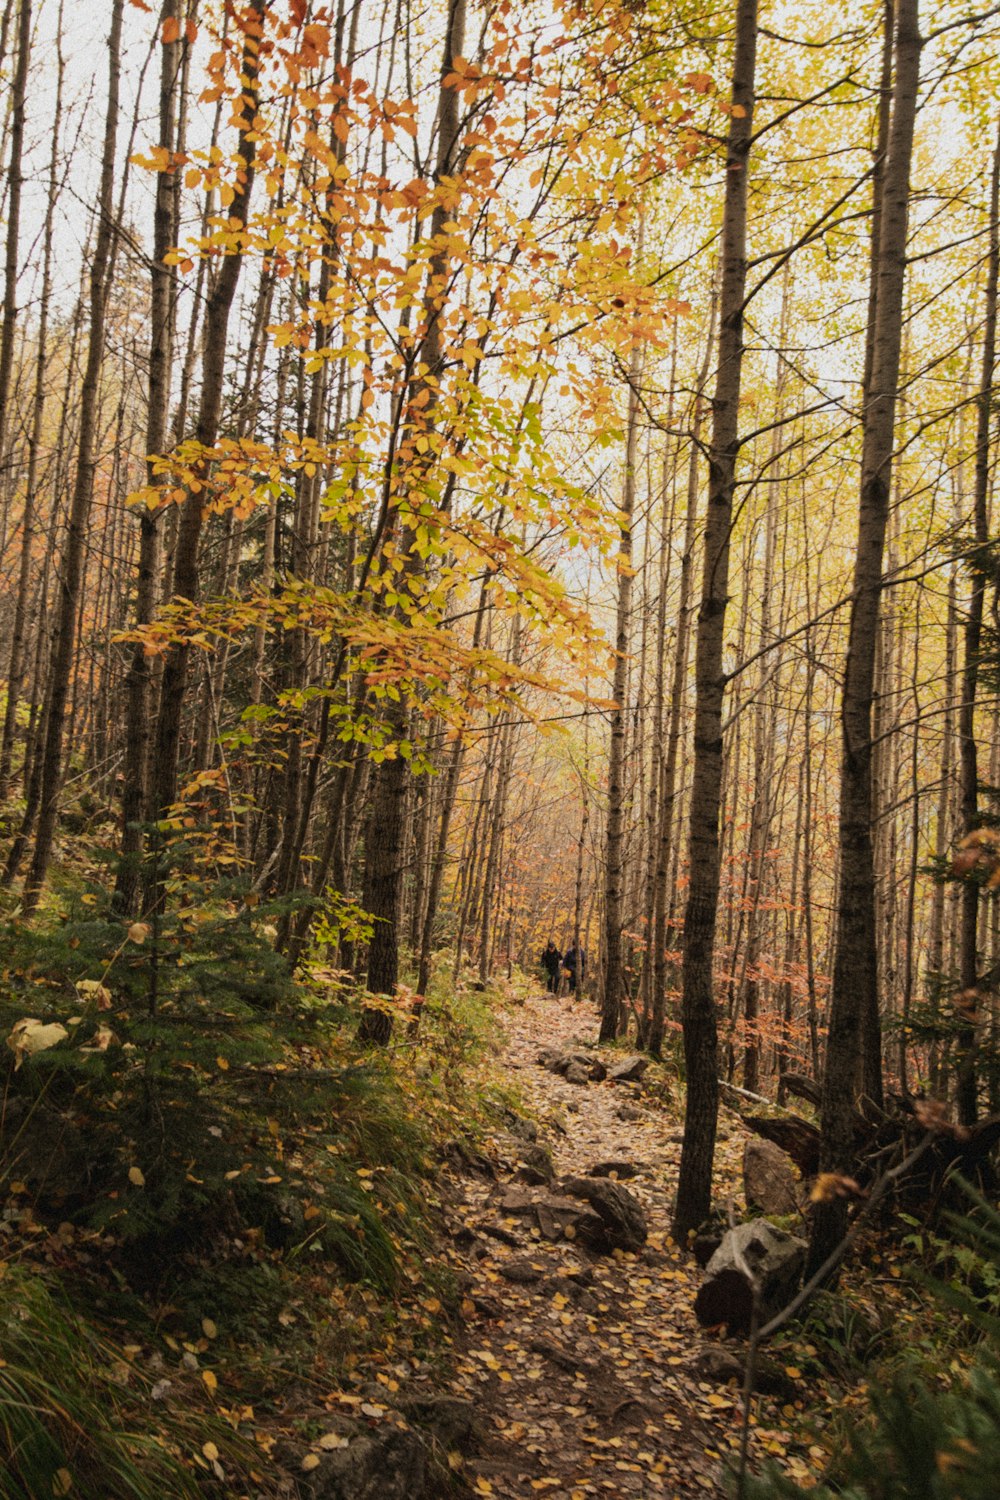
<point>536,1165</point>
<point>768,1179</point>
<point>386,1464</point>
<point>519,1125</point>
<point>628,1112</point>
<point>721,1366</point>
<point>773,1259</point>
<point>518,1201</point>
<point>578,1065</point>
<point>630,1069</point>
<point>623,1223</point>
<point>620,1169</point>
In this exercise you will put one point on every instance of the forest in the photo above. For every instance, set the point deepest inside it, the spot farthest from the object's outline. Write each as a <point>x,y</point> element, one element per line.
<point>478,476</point>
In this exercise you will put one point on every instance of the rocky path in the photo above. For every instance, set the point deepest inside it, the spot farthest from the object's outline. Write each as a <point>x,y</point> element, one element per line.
<point>585,1368</point>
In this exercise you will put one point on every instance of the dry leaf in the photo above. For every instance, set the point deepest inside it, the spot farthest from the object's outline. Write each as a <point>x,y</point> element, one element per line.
<point>29,1036</point>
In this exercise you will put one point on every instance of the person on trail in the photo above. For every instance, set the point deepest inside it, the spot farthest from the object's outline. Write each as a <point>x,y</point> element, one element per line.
<point>550,960</point>
<point>575,964</point>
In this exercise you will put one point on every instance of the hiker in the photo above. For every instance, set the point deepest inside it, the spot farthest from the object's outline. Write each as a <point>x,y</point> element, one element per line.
<point>575,964</point>
<point>550,960</point>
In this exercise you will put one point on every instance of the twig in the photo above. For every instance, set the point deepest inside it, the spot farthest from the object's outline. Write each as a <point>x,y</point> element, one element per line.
<point>836,1255</point>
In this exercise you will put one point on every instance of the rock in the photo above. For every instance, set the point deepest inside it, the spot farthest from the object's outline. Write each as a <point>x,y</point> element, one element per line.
<point>518,1268</point>
<point>719,1365</point>
<point>548,1227</point>
<point>518,1201</point>
<point>676,1138</point>
<point>622,1169</point>
<point>536,1165</point>
<point>524,1129</point>
<point>572,1283</point>
<point>630,1069</point>
<point>623,1223</point>
<point>705,1244</point>
<point>451,1422</point>
<point>466,1159</point>
<point>628,1112</point>
<point>563,1218</point>
<point>768,1179</point>
<point>389,1464</point>
<point>498,1232</point>
<point>576,1065</point>
<point>773,1258</point>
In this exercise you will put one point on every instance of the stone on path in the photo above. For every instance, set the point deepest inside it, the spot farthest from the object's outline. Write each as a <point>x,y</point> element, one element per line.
<point>575,1065</point>
<point>773,1259</point>
<point>630,1069</point>
<point>520,1269</point>
<point>613,1169</point>
<point>620,1212</point>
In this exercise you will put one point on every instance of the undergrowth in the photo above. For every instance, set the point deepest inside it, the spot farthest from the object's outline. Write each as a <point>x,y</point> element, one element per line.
<point>213,1200</point>
<point>927,1371</point>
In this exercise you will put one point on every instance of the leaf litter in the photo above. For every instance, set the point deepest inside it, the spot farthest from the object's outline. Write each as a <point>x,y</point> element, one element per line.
<point>581,1367</point>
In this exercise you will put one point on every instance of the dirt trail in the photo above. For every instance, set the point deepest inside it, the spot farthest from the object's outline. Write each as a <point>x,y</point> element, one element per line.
<point>583,1374</point>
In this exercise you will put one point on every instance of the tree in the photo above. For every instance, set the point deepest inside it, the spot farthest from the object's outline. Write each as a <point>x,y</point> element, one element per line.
<point>854,997</point>
<point>694,1183</point>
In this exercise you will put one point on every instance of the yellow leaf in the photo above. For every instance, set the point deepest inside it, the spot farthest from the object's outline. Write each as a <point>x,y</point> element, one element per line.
<point>30,1036</point>
<point>210,1451</point>
<point>138,932</point>
<point>211,1384</point>
<point>62,1481</point>
<point>208,1328</point>
<point>311,1461</point>
<point>483,1486</point>
<point>135,1177</point>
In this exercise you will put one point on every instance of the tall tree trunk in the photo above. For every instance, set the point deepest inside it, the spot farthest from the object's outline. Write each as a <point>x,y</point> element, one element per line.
<point>162,308</point>
<point>669,821</point>
<point>64,633</point>
<point>854,996</point>
<point>15,183</point>
<point>384,859</point>
<point>185,583</point>
<point>18,643</point>
<point>694,1184</point>
<point>968,757</point>
<point>614,988</point>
